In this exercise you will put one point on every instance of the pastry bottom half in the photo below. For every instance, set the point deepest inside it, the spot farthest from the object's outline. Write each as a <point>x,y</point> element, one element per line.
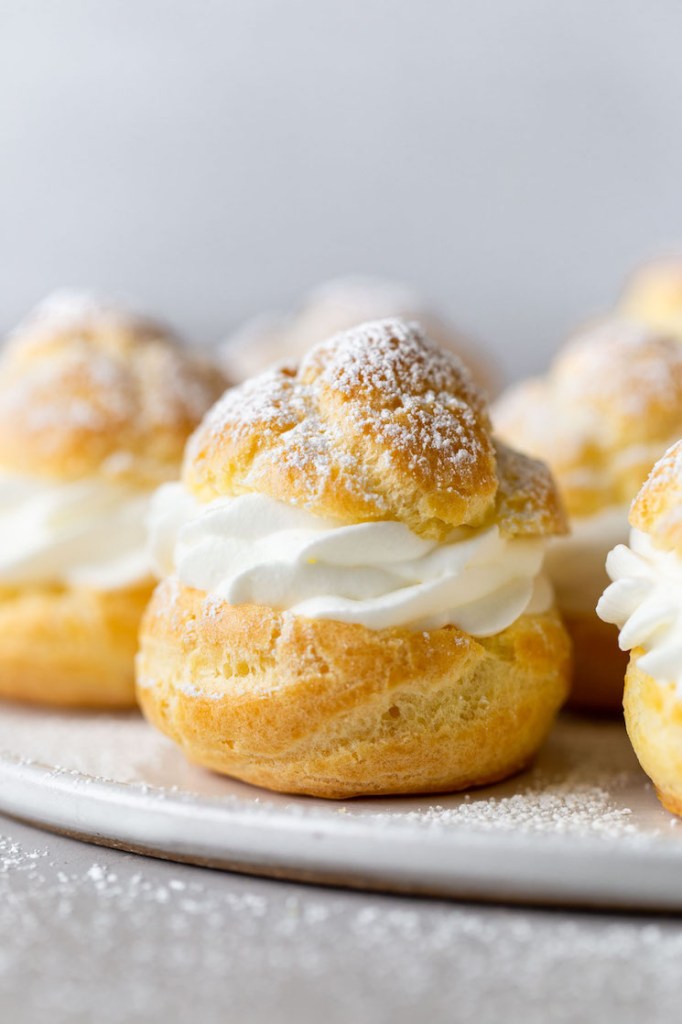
<point>598,664</point>
<point>71,647</point>
<point>337,710</point>
<point>653,718</point>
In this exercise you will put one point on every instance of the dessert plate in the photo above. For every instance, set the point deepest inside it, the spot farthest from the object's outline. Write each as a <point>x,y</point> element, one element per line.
<point>582,827</point>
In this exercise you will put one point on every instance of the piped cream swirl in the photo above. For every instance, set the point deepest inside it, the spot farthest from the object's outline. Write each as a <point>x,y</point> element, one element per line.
<point>253,549</point>
<point>89,533</point>
<point>645,602</point>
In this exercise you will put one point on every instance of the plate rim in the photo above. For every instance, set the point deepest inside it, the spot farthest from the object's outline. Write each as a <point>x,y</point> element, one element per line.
<point>324,846</point>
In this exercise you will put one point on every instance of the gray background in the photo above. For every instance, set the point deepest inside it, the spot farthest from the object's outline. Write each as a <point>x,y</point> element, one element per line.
<point>206,158</point>
<point>209,158</point>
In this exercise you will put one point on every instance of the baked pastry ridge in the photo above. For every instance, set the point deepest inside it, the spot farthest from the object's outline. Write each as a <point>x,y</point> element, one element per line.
<point>95,408</point>
<point>352,599</point>
<point>645,601</point>
<point>608,408</point>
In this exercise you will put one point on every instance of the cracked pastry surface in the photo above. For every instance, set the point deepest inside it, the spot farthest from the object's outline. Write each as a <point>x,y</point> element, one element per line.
<point>95,407</point>
<point>367,473</point>
<point>87,389</point>
<point>608,408</point>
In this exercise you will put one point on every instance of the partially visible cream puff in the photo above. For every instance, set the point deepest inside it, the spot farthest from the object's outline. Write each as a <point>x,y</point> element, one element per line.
<point>653,296</point>
<point>338,305</point>
<point>353,600</point>
<point>645,602</point>
<point>608,408</point>
<point>95,407</point>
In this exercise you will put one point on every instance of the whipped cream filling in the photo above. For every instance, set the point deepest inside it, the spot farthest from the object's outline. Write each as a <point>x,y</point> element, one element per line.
<point>575,564</point>
<point>253,549</point>
<point>88,532</point>
<point>645,602</point>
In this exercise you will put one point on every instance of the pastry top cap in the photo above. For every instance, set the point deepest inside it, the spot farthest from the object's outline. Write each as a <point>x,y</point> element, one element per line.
<point>654,295</point>
<point>376,423</point>
<point>88,389</point>
<point>657,509</point>
<point>609,406</point>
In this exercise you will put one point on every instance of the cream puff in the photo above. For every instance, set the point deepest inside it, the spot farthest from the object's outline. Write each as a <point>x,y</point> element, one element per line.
<point>338,305</point>
<point>645,602</point>
<point>95,409</point>
<point>353,599</point>
<point>608,408</point>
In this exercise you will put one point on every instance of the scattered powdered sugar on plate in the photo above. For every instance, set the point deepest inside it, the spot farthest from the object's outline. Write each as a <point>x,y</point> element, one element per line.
<point>585,783</point>
<point>567,807</point>
<point>102,935</point>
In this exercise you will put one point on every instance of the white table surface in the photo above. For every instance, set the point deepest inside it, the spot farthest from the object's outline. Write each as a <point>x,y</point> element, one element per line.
<point>89,934</point>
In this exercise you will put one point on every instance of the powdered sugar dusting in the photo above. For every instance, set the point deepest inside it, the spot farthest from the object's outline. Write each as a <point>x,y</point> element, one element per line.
<point>377,422</point>
<point>527,499</point>
<point>70,309</point>
<point>610,405</point>
<point>668,470</point>
<point>100,935</point>
<point>568,807</point>
<point>586,781</point>
<point>81,371</point>
<point>393,357</point>
<point>83,390</point>
<point>428,401</point>
<point>622,366</point>
<point>658,507</point>
<point>615,383</point>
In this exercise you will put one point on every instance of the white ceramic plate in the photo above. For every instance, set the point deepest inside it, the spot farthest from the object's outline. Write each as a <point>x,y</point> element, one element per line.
<point>582,827</point>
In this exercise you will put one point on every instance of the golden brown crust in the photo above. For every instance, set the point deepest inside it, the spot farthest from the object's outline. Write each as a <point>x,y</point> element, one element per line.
<point>86,390</point>
<point>598,664</point>
<point>336,306</point>
<point>653,718</point>
<point>528,502</point>
<point>657,509</point>
<point>608,408</point>
<point>337,710</point>
<point>89,391</point>
<point>375,424</point>
<point>70,647</point>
